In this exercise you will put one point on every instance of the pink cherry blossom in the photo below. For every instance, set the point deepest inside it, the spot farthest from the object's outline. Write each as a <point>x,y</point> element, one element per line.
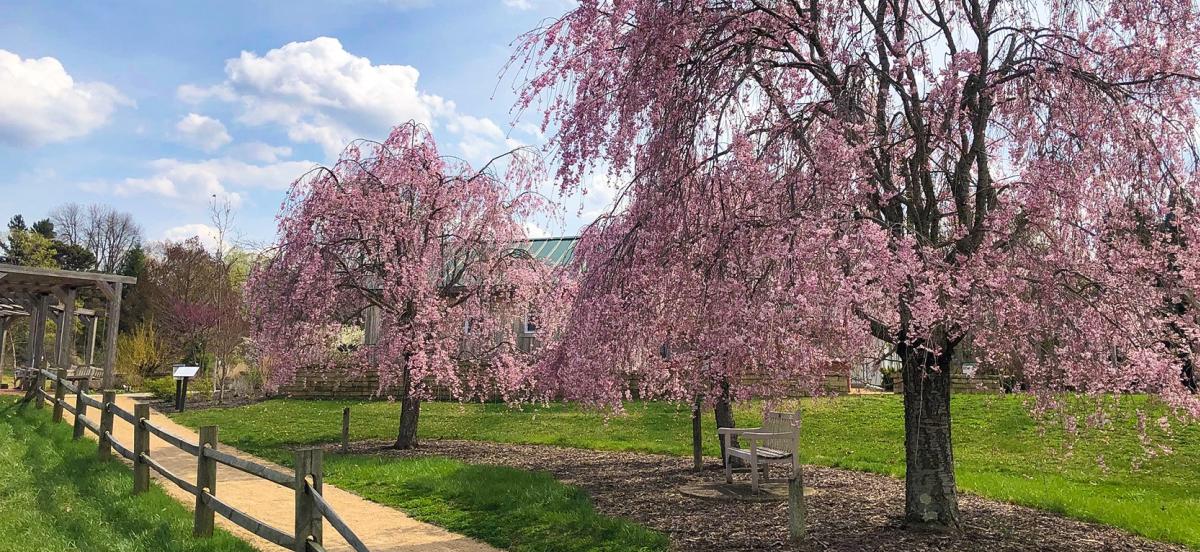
<point>434,245</point>
<point>808,178</point>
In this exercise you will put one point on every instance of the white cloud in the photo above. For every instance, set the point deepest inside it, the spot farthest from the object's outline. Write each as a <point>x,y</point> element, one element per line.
<point>600,192</point>
<point>192,182</point>
<point>480,138</point>
<point>548,5</point>
<point>260,152</point>
<point>532,130</point>
<point>191,93</point>
<point>205,233</point>
<point>533,231</point>
<point>40,103</point>
<point>319,93</point>
<point>202,132</point>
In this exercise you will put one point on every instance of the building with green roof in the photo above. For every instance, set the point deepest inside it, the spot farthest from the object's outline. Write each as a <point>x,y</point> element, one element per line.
<point>554,251</point>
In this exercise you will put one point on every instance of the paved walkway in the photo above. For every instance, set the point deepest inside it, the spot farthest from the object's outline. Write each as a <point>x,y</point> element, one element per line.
<point>381,528</point>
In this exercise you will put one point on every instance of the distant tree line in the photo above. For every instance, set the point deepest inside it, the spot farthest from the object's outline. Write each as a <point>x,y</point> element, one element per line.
<point>187,304</point>
<point>74,237</point>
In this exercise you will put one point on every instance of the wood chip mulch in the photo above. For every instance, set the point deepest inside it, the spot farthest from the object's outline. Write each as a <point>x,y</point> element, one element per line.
<point>852,511</point>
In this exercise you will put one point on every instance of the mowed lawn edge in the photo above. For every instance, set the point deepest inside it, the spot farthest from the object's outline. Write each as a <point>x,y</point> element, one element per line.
<point>58,495</point>
<point>1107,474</point>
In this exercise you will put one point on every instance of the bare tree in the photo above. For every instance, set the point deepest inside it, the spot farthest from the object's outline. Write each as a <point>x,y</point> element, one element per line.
<point>108,233</point>
<point>70,223</point>
<point>229,329</point>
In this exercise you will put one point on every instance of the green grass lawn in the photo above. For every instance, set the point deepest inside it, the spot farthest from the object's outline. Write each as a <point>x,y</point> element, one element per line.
<point>1001,451</point>
<point>513,509</point>
<point>509,508</point>
<point>55,494</point>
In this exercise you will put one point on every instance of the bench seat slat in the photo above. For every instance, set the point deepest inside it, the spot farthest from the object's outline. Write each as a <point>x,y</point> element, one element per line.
<point>763,453</point>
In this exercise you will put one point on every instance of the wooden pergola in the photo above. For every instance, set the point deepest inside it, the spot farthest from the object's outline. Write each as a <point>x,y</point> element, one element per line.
<point>41,293</point>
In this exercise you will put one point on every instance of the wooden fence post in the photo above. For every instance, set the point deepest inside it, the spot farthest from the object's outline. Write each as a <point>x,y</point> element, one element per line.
<point>109,402</point>
<point>346,430</point>
<point>60,393</point>
<point>308,519</point>
<point>206,480</point>
<point>141,446</point>
<point>80,410</point>
<point>796,507</point>
<point>39,385</point>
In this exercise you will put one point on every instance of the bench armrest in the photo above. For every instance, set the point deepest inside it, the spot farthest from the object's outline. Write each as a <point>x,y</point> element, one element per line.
<point>735,430</point>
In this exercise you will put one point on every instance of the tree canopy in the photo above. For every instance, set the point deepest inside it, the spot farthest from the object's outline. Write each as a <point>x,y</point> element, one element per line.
<point>424,248</point>
<point>806,174</point>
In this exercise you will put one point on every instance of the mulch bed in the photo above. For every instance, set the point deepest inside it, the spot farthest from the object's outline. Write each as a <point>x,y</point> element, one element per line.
<point>852,510</point>
<point>196,403</point>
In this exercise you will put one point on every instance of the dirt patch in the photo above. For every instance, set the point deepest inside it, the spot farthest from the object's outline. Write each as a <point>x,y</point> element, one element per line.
<point>851,510</point>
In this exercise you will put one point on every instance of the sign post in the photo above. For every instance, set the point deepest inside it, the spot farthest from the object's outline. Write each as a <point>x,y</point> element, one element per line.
<point>182,375</point>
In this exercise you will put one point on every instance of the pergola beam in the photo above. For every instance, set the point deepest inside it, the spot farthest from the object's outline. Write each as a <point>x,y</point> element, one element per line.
<point>79,278</point>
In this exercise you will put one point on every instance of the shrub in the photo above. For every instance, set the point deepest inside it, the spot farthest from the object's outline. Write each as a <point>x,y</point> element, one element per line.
<point>164,387</point>
<point>140,353</point>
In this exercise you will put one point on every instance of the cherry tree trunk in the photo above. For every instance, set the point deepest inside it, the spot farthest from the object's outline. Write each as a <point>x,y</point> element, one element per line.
<point>930,497</point>
<point>410,411</point>
<point>724,413</point>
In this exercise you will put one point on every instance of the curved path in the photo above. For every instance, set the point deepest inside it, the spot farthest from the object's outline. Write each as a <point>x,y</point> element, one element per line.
<point>381,528</point>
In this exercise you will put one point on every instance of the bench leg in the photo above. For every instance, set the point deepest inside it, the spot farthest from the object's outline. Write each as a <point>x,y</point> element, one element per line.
<point>766,473</point>
<point>725,458</point>
<point>754,472</point>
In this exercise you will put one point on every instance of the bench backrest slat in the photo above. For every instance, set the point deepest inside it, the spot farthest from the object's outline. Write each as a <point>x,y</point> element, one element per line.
<point>782,422</point>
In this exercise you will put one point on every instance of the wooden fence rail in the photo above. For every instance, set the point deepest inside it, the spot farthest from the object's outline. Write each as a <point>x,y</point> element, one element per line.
<point>311,507</point>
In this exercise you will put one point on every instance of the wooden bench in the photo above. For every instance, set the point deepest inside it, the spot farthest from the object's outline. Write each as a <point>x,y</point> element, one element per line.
<point>24,377</point>
<point>776,442</point>
<point>79,374</point>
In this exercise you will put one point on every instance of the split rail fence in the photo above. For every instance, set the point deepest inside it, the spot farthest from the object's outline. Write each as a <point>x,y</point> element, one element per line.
<point>311,507</point>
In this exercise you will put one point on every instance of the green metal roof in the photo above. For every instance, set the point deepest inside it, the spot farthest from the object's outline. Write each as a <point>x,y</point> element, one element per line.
<point>552,251</point>
<point>555,251</point>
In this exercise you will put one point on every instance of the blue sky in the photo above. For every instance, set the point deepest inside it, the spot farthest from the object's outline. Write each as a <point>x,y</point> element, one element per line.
<point>154,107</point>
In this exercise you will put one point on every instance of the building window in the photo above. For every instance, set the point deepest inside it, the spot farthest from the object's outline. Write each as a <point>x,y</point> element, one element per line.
<point>530,323</point>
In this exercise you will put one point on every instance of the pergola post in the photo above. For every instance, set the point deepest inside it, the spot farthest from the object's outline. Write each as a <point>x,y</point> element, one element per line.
<point>91,343</point>
<point>112,323</point>
<point>30,349</point>
<point>37,339</point>
<point>4,324</point>
<point>66,329</point>
<point>59,324</point>
<point>40,337</point>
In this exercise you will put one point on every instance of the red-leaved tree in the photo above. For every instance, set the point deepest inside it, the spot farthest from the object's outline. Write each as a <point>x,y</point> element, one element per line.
<point>806,174</point>
<point>420,247</point>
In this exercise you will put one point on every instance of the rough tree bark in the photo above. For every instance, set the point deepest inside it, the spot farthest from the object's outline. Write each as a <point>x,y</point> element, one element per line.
<point>930,499</point>
<point>724,413</point>
<point>410,411</point>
